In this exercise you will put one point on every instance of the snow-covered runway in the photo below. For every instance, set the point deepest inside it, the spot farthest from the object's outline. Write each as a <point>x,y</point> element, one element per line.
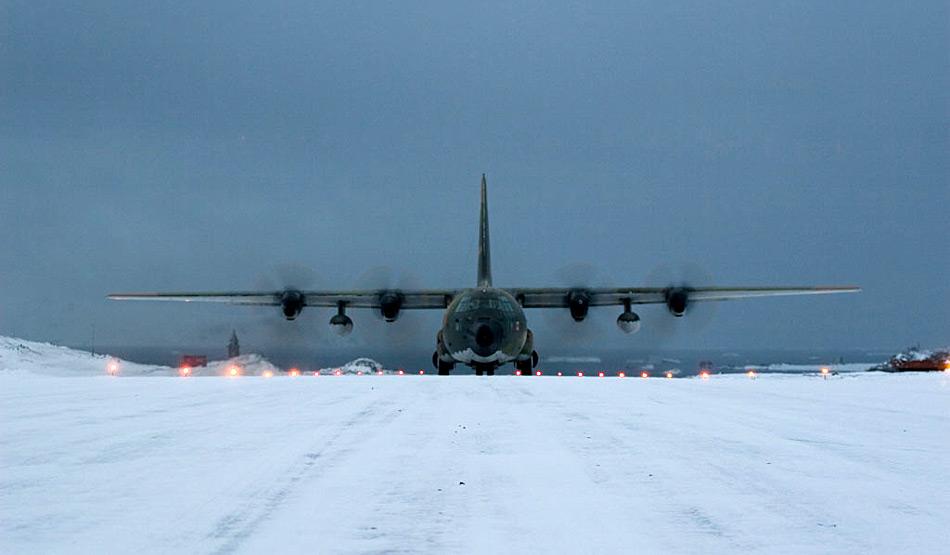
<point>785,464</point>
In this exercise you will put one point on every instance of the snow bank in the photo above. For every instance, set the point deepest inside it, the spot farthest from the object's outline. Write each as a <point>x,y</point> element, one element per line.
<point>18,356</point>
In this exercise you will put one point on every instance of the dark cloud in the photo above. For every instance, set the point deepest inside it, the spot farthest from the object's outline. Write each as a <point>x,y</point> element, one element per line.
<point>198,146</point>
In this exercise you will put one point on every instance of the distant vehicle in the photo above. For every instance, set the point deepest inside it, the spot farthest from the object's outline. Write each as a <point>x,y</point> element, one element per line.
<point>192,361</point>
<point>484,326</point>
<point>916,360</point>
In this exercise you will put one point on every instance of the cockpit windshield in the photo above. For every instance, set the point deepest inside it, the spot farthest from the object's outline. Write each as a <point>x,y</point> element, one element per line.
<point>474,303</point>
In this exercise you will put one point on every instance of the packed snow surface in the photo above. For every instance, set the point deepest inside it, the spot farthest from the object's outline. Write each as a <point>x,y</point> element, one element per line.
<point>856,463</point>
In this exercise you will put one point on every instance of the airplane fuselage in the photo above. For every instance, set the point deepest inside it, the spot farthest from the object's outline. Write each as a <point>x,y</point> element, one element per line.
<point>484,328</point>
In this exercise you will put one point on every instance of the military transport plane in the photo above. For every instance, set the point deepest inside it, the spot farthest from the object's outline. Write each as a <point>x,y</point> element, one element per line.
<point>485,327</point>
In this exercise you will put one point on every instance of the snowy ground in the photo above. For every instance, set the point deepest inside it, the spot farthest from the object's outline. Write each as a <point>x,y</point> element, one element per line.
<point>786,464</point>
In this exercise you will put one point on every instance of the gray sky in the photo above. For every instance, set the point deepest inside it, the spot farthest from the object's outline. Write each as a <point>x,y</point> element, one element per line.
<point>168,146</point>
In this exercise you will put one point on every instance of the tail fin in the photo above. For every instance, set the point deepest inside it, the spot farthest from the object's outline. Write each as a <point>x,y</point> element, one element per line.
<point>484,250</point>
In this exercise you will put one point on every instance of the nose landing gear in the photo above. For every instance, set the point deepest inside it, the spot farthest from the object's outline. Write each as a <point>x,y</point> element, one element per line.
<point>484,369</point>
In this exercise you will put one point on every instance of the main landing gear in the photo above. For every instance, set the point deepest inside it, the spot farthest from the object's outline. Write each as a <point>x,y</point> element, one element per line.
<point>525,366</point>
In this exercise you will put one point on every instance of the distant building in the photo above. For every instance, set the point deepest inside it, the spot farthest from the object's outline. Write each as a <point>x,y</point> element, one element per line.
<point>192,361</point>
<point>234,347</point>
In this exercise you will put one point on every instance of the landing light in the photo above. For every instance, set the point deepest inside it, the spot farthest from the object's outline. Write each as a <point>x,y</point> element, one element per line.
<point>751,374</point>
<point>234,371</point>
<point>825,371</point>
<point>294,372</point>
<point>268,374</point>
<point>669,374</point>
<point>704,374</point>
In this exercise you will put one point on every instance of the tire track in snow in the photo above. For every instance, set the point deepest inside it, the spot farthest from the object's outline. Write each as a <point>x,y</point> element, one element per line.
<point>239,525</point>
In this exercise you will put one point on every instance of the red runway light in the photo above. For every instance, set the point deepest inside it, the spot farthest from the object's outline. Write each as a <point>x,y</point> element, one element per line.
<point>600,374</point>
<point>559,374</point>
<point>379,373</point>
<point>621,375</point>
<point>644,375</point>
<point>338,373</point>
<point>400,372</point>
<point>517,372</point>
<point>184,371</point>
<point>316,372</point>
<point>421,372</point>
<point>538,373</point>
<point>359,372</point>
<point>234,371</point>
<point>580,374</point>
<point>704,374</point>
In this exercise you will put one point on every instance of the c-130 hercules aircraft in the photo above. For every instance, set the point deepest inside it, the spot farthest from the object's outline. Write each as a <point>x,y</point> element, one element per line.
<point>485,327</point>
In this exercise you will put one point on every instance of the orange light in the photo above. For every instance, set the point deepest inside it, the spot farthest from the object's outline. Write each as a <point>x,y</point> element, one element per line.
<point>824,370</point>
<point>234,371</point>
<point>946,365</point>
<point>538,373</point>
<point>704,375</point>
<point>752,374</point>
<point>268,374</point>
<point>600,374</point>
<point>621,375</point>
<point>185,371</point>
<point>644,375</point>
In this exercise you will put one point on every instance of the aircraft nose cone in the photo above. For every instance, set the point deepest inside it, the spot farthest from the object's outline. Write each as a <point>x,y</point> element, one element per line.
<point>484,336</point>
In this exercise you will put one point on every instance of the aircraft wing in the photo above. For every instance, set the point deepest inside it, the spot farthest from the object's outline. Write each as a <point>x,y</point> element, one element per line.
<point>414,299</point>
<point>557,297</point>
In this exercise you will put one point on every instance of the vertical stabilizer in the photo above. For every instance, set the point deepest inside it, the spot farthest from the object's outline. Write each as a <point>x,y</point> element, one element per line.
<point>484,250</point>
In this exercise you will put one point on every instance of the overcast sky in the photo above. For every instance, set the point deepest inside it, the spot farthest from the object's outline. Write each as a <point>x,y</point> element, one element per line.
<point>195,146</point>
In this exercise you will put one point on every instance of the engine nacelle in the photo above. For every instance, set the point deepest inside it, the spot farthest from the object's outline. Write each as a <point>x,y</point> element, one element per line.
<point>341,324</point>
<point>390,303</point>
<point>677,300</point>
<point>628,322</point>
<point>578,301</point>
<point>291,303</point>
